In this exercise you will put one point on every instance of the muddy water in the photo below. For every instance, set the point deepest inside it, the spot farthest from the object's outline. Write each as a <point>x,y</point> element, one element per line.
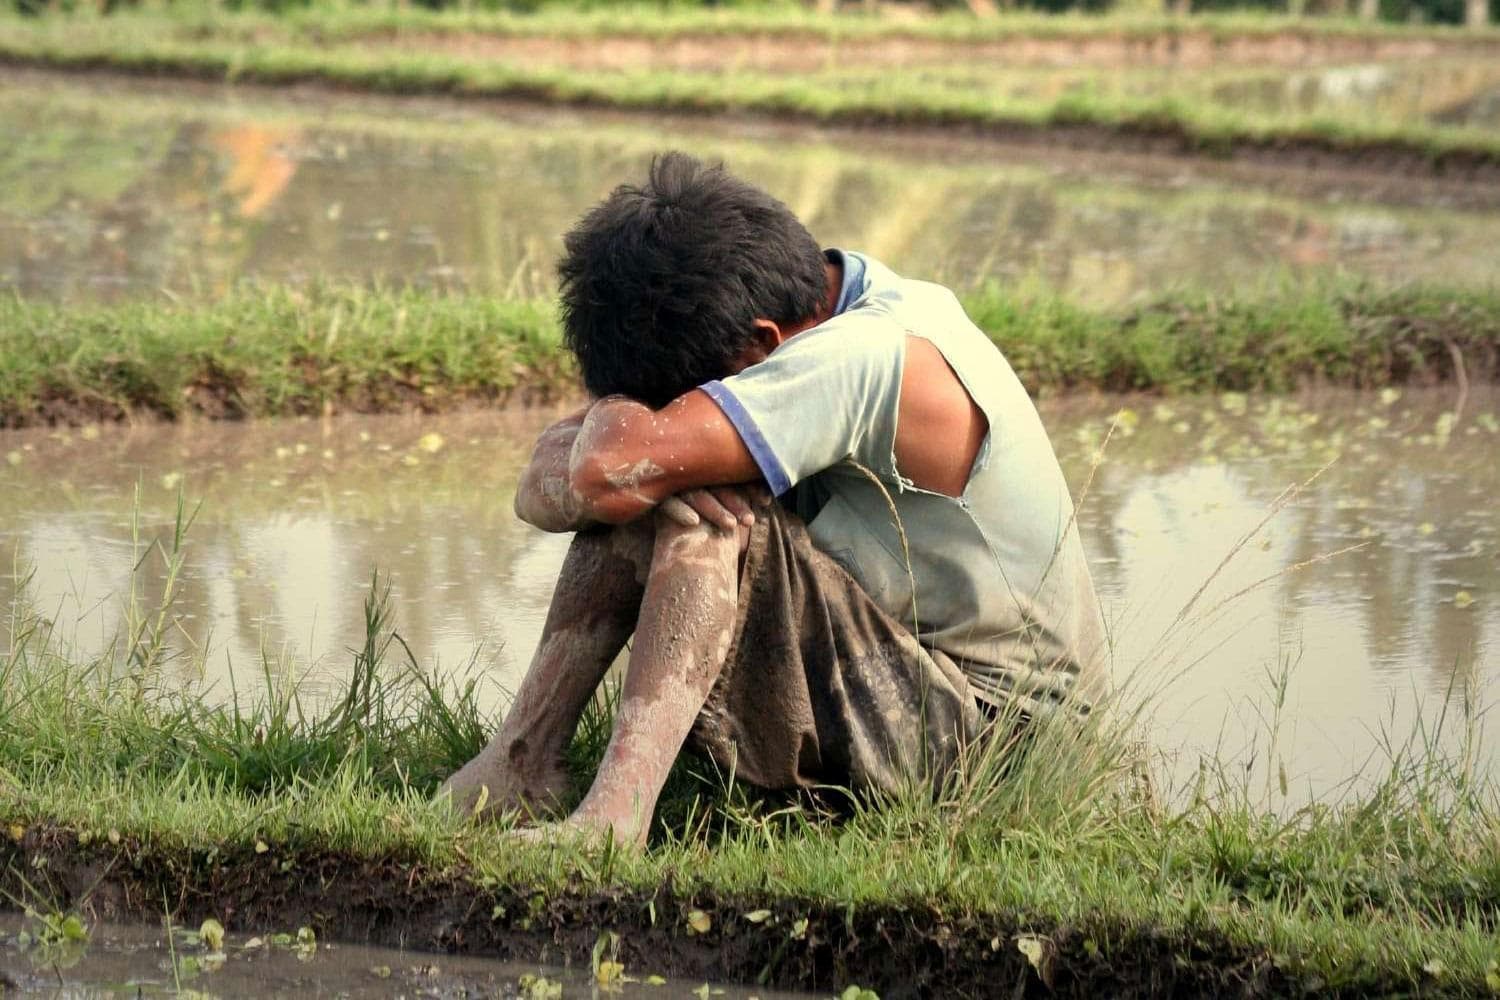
<point>120,189</point>
<point>121,961</point>
<point>1376,588</point>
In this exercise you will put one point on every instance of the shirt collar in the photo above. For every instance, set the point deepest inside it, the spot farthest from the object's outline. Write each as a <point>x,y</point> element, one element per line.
<point>854,277</point>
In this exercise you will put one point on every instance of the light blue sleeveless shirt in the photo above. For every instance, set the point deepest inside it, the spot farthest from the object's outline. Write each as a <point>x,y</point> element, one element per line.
<point>995,578</point>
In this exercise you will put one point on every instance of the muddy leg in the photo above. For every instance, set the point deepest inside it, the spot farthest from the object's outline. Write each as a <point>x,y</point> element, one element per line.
<point>593,612</point>
<point>681,640</point>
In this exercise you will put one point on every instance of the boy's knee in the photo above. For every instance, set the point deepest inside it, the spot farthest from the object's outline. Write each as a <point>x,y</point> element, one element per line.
<point>701,542</point>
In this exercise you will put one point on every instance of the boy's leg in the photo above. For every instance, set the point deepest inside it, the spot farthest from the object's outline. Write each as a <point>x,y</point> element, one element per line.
<point>682,637</point>
<point>593,611</point>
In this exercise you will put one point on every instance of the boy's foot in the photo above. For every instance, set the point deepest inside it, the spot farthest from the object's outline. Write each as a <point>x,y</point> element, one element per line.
<point>486,790</point>
<point>579,832</point>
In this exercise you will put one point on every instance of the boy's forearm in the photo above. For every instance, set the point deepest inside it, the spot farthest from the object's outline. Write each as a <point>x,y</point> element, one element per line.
<point>544,497</point>
<point>628,459</point>
<point>610,473</point>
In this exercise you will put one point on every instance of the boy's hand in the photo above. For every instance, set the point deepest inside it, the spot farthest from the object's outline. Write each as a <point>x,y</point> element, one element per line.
<point>727,507</point>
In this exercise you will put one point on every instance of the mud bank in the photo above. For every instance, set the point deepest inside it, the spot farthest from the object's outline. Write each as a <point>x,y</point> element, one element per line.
<point>772,941</point>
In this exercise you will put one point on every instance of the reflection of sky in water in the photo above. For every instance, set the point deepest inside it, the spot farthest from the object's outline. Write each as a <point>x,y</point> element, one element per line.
<point>297,514</point>
<point>192,194</point>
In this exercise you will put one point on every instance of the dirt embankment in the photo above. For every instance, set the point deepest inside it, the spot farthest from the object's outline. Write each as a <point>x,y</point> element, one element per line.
<point>786,53</point>
<point>899,952</point>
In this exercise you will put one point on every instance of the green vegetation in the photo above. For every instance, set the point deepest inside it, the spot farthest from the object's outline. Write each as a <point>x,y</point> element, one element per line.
<point>265,810</point>
<point>333,20</point>
<point>1212,113</point>
<point>947,19</point>
<point>276,351</point>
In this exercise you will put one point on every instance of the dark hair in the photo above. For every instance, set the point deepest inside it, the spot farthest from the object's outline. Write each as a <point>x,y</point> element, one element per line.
<point>661,283</point>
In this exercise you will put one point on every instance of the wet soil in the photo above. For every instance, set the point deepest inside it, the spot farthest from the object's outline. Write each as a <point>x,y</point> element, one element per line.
<point>905,951</point>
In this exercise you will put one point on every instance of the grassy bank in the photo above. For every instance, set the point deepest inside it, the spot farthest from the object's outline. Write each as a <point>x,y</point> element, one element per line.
<point>332,20</point>
<point>1108,107</point>
<point>276,351</point>
<point>124,795</point>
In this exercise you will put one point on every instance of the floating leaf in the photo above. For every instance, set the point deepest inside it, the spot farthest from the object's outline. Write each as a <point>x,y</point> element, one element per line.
<point>261,847</point>
<point>698,922</point>
<point>799,929</point>
<point>1389,395</point>
<point>540,987</point>
<point>381,971</point>
<point>1426,528</point>
<point>431,442</point>
<point>654,980</point>
<point>606,949</point>
<point>211,933</point>
<point>72,928</point>
<point>306,938</point>
<point>1463,599</point>
<point>758,916</point>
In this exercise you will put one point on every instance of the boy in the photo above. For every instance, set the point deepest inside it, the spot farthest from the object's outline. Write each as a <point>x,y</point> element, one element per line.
<point>918,574</point>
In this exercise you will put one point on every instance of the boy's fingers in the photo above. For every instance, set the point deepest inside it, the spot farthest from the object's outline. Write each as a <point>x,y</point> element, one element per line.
<point>678,510</point>
<point>710,509</point>
<point>735,501</point>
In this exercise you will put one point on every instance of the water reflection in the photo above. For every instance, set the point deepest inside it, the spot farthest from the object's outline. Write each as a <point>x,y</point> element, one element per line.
<point>1378,583</point>
<point>139,961</point>
<point>190,194</point>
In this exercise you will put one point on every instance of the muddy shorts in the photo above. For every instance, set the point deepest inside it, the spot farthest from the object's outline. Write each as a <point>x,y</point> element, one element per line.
<point>822,687</point>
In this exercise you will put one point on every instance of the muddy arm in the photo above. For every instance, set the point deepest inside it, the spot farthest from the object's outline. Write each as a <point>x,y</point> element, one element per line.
<point>544,496</point>
<point>626,458</point>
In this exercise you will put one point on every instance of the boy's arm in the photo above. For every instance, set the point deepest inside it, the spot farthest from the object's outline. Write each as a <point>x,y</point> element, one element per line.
<point>544,496</point>
<point>630,461</point>
<point>626,458</point>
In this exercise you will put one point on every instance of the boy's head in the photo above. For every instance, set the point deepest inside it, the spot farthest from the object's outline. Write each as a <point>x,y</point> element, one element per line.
<point>662,283</point>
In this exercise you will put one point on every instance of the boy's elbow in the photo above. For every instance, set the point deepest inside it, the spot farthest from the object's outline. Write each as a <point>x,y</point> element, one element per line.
<point>607,491</point>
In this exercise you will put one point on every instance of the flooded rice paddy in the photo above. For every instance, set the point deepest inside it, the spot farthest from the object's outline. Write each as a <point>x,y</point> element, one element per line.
<point>118,188</point>
<point>138,962</point>
<point>1375,589</point>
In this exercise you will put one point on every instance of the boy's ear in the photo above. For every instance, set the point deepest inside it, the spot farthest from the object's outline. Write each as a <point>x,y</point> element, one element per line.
<point>767,336</point>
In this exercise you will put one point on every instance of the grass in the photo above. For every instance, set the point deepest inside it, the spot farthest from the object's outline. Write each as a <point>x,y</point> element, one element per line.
<point>270,351</point>
<point>1072,870</point>
<point>1185,112</point>
<point>336,20</point>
